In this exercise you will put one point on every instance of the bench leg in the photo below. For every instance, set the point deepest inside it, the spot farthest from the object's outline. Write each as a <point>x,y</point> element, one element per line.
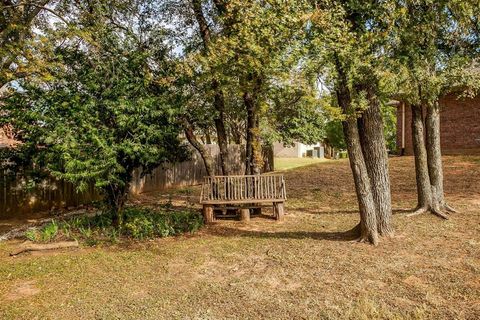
<point>279,210</point>
<point>245,214</point>
<point>208,213</point>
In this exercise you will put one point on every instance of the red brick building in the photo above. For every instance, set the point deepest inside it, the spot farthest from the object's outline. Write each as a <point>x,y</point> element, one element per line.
<point>459,126</point>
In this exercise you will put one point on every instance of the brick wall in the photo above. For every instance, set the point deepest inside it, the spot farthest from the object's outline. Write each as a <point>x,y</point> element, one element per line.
<point>459,126</point>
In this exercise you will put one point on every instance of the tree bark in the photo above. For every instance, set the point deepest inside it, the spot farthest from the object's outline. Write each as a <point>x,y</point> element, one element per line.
<point>253,159</point>
<point>376,160</point>
<point>424,192</point>
<point>428,161</point>
<point>206,157</point>
<point>222,139</point>
<point>435,168</point>
<point>368,219</point>
<point>366,203</point>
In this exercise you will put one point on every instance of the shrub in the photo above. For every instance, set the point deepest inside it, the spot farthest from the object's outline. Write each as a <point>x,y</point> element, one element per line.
<point>139,223</point>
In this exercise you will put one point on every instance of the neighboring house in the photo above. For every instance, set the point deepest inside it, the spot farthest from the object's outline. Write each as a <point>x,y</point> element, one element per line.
<point>298,150</point>
<point>459,126</point>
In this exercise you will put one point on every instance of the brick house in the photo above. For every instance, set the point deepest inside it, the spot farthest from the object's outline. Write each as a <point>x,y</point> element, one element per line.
<point>459,126</point>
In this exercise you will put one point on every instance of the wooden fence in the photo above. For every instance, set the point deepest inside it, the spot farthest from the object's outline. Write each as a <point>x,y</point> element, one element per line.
<point>19,196</point>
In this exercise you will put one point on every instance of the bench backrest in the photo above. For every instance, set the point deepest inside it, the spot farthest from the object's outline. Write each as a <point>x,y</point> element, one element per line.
<point>243,189</point>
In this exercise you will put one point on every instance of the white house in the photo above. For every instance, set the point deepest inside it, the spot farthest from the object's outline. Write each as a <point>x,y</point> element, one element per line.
<point>298,150</point>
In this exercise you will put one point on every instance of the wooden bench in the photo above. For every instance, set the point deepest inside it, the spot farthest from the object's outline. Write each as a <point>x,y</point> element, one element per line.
<point>244,193</point>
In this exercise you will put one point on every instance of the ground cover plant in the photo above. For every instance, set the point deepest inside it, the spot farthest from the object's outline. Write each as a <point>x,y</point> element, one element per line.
<point>139,223</point>
<point>303,268</point>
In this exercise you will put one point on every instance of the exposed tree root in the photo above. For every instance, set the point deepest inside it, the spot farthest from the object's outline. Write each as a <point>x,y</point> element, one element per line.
<point>439,213</point>
<point>418,211</point>
<point>448,208</point>
<point>423,210</point>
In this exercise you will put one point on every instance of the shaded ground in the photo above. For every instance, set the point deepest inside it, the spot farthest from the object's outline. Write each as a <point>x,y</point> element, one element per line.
<point>302,268</point>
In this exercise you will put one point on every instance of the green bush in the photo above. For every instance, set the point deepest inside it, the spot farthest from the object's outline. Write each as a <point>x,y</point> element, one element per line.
<point>144,223</point>
<point>138,223</point>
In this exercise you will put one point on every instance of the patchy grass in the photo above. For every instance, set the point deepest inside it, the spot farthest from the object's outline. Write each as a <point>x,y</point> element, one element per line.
<point>281,164</point>
<point>303,268</point>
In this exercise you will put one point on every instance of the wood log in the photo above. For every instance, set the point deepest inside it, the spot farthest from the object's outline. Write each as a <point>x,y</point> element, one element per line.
<point>30,246</point>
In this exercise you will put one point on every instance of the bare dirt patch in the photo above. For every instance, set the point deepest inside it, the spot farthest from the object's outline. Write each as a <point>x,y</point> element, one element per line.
<point>22,290</point>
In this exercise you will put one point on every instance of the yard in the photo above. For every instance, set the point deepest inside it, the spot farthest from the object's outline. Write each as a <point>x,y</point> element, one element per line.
<point>305,267</point>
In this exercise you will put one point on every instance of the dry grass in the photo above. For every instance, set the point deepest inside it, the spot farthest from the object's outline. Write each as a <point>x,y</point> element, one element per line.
<point>302,268</point>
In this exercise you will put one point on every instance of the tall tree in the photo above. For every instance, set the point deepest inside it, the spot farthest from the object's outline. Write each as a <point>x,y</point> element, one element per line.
<point>103,113</point>
<point>428,68</point>
<point>348,40</point>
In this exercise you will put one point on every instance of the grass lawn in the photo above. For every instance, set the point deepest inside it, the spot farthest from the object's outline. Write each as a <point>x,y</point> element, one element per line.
<point>291,163</point>
<point>305,267</point>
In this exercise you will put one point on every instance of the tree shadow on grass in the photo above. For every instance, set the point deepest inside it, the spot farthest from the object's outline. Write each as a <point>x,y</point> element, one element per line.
<point>225,231</point>
<point>348,211</point>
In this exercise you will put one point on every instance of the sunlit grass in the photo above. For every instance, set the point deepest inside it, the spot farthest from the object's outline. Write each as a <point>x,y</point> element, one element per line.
<point>281,164</point>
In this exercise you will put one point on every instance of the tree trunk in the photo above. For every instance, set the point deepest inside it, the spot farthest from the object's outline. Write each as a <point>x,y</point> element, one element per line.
<point>366,204</point>
<point>434,155</point>
<point>424,192</point>
<point>222,139</point>
<point>218,99</point>
<point>368,219</point>
<point>206,157</point>
<point>376,160</point>
<point>428,162</point>
<point>253,159</point>
<point>116,197</point>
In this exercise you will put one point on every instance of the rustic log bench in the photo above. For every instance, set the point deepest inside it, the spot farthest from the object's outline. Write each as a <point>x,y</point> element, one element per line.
<point>243,193</point>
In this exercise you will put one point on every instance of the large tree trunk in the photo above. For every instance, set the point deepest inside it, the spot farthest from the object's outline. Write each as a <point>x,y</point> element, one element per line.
<point>368,219</point>
<point>366,203</point>
<point>434,154</point>
<point>376,160</point>
<point>206,157</point>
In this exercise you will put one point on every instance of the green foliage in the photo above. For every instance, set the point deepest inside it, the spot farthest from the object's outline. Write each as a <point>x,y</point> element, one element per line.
<point>145,223</point>
<point>334,134</point>
<point>49,232</point>
<point>31,234</point>
<point>103,112</point>
<point>390,127</point>
<point>139,223</point>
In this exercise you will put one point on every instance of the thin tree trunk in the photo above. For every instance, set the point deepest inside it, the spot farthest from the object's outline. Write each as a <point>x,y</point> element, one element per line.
<point>428,198</point>
<point>434,154</point>
<point>222,139</point>
<point>424,192</point>
<point>376,160</point>
<point>219,101</point>
<point>206,157</point>
<point>116,197</point>
<point>250,134</point>
<point>253,159</point>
